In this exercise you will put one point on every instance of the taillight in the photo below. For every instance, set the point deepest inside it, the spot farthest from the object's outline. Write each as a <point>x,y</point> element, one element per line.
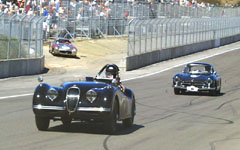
<point>74,48</point>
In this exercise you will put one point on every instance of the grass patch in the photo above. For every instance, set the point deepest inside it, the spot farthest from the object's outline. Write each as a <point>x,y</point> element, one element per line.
<point>14,48</point>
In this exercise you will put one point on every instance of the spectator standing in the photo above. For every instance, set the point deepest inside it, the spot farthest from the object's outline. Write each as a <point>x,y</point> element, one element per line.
<point>45,26</point>
<point>45,12</point>
<point>44,3</point>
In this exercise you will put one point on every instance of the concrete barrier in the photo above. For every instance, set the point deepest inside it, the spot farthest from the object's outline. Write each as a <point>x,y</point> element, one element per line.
<point>138,61</point>
<point>19,67</point>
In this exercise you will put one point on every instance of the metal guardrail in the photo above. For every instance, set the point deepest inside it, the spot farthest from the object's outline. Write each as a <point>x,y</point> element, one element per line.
<point>21,36</point>
<point>156,34</point>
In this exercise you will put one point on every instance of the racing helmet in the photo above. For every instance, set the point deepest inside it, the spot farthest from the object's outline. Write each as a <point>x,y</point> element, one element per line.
<point>112,69</point>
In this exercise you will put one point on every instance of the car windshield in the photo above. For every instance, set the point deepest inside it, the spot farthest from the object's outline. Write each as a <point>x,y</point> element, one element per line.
<point>63,41</point>
<point>105,75</point>
<point>198,69</point>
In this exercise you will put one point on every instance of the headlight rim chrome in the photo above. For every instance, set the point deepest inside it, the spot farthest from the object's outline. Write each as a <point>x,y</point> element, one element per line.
<point>74,50</point>
<point>52,92</point>
<point>209,81</point>
<point>91,95</point>
<point>176,79</point>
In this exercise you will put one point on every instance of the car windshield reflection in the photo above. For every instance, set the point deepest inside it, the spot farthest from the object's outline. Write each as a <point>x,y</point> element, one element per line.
<point>198,69</point>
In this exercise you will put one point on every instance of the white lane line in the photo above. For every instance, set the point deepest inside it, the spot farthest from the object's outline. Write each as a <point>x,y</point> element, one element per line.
<point>146,75</point>
<point>13,96</point>
<point>178,65</point>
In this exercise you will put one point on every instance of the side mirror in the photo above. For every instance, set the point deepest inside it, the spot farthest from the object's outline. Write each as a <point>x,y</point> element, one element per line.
<point>40,79</point>
<point>114,82</point>
<point>214,72</point>
<point>89,78</point>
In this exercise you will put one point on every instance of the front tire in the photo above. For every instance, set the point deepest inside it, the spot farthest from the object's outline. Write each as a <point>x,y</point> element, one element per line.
<point>219,90</point>
<point>128,123</point>
<point>66,122</point>
<point>42,123</point>
<point>177,91</point>
<point>216,91</point>
<point>213,93</point>
<point>111,124</point>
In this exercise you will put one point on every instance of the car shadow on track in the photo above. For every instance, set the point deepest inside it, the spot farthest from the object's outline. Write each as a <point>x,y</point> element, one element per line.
<point>66,56</point>
<point>93,128</point>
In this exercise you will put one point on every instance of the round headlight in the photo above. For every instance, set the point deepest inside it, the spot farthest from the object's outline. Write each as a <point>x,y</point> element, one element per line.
<point>176,79</point>
<point>210,80</point>
<point>74,50</point>
<point>52,94</point>
<point>91,95</point>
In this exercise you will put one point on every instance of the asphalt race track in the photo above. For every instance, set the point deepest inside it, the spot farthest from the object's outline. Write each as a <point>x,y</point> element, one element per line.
<point>164,121</point>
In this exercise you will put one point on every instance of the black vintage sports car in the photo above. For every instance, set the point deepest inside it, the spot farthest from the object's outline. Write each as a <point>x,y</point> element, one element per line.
<point>62,46</point>
<point>99,99</point>
<point>197,77</point>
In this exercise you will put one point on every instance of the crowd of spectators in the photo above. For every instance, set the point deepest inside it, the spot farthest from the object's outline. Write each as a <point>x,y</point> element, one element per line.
<point>58,8</point>
<point>12,6</point>
<point>80,9</point>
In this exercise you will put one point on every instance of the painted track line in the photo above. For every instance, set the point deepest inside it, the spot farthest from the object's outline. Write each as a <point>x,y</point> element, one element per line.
<point>143,76</point>
<point>14,96</point>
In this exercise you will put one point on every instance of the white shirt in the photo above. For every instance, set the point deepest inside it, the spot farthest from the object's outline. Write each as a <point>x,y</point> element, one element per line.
<point>45,25</point>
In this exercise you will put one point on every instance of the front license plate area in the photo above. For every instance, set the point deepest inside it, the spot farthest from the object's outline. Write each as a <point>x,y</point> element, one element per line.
<point>192,88</point>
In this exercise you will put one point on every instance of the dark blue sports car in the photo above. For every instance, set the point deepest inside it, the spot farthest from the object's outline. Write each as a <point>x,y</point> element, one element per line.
<point>99,99</point>
<point>197,77</point>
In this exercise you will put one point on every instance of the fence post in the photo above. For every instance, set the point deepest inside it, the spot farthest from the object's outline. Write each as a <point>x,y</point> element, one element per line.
<point>29,35</point>
<point>129,32</point>
<point>20,40</point>
<point>37,35</point>
<point>9,36</point>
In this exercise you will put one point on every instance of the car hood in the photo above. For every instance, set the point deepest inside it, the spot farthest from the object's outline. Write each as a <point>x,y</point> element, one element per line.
<point>84,86</point>
<point>65,45</point>
<point>194,77</point>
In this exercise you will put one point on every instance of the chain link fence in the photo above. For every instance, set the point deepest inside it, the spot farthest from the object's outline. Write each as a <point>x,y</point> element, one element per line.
<point>21,36</point>
<point>84,19</point>
<point>156,34</point>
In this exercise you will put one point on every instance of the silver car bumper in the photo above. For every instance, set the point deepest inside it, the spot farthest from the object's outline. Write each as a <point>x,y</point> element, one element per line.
<point>198,89</point>
<point>65,52</point>
<point>93,109</point>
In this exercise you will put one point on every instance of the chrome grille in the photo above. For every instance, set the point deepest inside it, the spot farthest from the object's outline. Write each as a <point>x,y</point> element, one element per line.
<point>66,52</point>
<point>72,99</point>
<point>196,84</point>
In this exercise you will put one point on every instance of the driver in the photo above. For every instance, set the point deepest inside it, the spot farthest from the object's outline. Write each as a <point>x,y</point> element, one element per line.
<point>112,72</point>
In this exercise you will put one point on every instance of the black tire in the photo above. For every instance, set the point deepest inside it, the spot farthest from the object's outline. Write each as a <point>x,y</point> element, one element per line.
<point>219,91</point>
<point>42,123</point>
<point>128,123</point>
<point>67,122</point>
<point>53,53</point>
<point>213,93</point>
<point>111,124</point>
<point>177,91</point>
